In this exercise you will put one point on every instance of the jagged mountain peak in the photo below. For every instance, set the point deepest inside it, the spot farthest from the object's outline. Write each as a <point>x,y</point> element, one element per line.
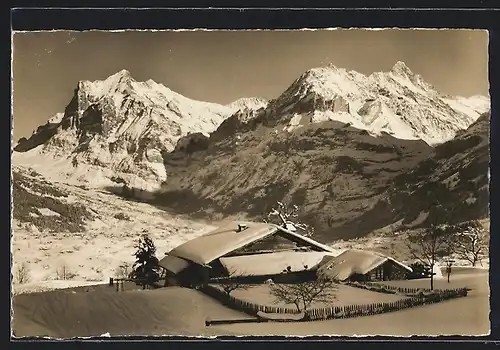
<point>331,80</point>
<point>126,125</point>
<point>400,68</point>
<point>121,126</point>
<point>323,73</point>
<point>330,68</point>
<point>398,102</point>
<point>325,82</point>
<point>118,83</point>
<point>123,73</point>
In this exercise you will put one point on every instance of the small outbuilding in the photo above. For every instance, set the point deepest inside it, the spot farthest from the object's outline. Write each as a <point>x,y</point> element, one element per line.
<point>363,266</point>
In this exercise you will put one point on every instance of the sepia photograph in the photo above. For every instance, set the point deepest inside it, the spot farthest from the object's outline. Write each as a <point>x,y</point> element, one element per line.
<point>205,183</point>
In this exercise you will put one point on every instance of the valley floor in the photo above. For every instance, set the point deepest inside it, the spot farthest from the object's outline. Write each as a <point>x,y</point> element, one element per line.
<point>107,242</point>
<point>93,311</point>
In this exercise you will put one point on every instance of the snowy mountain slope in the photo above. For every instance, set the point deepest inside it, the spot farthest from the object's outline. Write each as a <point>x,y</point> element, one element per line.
<point>248,103</point>
<point>397,102</point>
<point>119,130</point>
<point>333,143</point>
<point>334,173</point>
<point>474,105</point>
<point>346,182</point>
<point>90,232</point>
<point>451,185</point>
<point>118,127</point>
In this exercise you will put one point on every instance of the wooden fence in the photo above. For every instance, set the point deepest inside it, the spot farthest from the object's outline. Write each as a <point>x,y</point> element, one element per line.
<point>118,283</point>
<point>379,287</point>
<point>336,312</point>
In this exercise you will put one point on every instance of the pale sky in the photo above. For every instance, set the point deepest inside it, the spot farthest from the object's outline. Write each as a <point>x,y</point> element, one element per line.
<point>222,66</point>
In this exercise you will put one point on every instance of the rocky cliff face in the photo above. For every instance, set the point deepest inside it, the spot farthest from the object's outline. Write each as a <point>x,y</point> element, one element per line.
<point>121,127</point>
<point>451,185</point>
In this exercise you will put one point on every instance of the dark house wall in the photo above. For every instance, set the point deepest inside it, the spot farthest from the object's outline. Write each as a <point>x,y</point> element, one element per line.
<point>193,276</point>
<point>171,280</point>
<point>292,277</point>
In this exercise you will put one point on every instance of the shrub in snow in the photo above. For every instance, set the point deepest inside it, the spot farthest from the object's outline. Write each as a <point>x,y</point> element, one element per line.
<point>22,274</point>
<point>121,216</point>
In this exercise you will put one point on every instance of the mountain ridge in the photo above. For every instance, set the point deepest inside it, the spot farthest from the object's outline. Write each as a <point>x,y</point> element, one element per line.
<point>142,135</point>
<point>121,125</point>
<point>397,102</point>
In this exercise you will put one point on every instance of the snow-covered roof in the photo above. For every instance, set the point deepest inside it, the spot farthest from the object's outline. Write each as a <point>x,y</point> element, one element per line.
<point>355,261</point>
<point>173,263</point>
<point>272,263</point>
<point>225,239</point>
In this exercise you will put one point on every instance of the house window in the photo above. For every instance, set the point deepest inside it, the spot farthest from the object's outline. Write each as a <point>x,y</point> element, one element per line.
<point>378,273</point>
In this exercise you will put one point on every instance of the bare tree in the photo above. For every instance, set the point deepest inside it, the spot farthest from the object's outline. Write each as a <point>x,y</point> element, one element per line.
<point>63,272</point>
<point>233,282</point>
<point>299,164</point>
<point>436,239</point>
<point>22,274</point>
<point>426,244</point>
<point>471,241</point>
<point>288,217</point>
<point>123,270</point>
<point>302,295</point>
<point>449,264</point>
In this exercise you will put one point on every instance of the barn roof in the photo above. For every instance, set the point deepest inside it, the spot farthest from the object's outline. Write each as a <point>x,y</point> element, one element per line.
<point>355,261</point>
<point>225,239</point>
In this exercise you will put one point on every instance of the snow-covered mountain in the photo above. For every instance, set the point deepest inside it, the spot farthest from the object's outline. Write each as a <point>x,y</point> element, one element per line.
<point>334,144</point>
<point>454,177</point>
<point>252,103</point>
<point>397,102</point>
<point>118,128</point>
<point>473,105</point>
<point>347,182</point>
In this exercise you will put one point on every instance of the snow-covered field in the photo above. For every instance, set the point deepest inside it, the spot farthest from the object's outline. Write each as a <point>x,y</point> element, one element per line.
<point>107,242</point>
<point>44,286</point>
<point>463,316</point>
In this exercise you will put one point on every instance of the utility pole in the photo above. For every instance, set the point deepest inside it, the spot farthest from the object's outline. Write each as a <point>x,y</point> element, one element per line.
<point>449,264</point>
